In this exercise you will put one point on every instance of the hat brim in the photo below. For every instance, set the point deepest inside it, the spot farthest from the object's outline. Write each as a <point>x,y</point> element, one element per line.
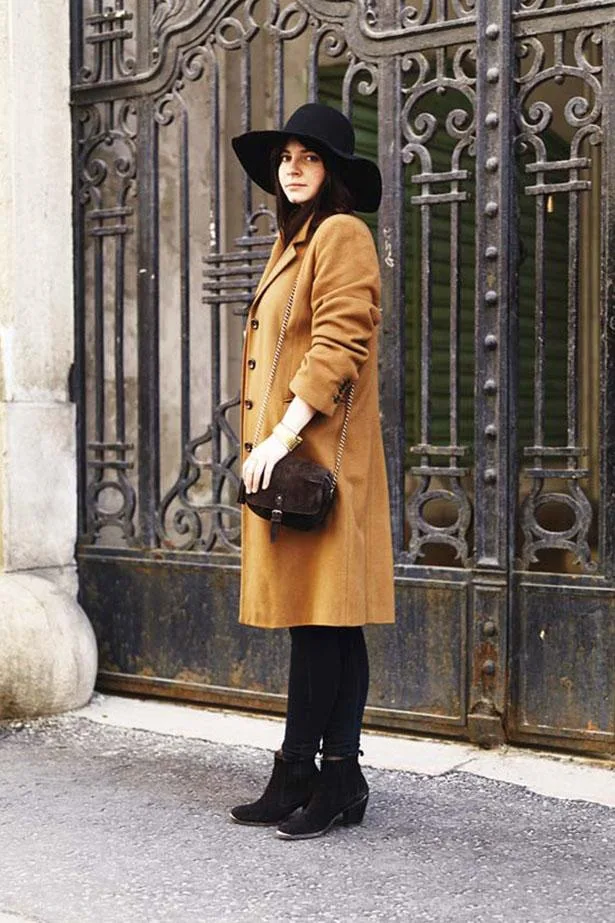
<point>361,175</point>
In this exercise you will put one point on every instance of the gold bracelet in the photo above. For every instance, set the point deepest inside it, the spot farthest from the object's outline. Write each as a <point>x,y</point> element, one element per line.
<point>285,435</point>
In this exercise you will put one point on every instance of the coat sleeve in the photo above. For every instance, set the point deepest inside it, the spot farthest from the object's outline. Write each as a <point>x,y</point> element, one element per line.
<point>345,310</point>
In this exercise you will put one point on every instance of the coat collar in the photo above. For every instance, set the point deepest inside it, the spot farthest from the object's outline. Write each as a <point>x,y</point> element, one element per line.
<point>280,258</point>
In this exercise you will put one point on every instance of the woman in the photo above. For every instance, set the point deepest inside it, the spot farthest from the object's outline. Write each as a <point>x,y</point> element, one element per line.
<point>326,584</point>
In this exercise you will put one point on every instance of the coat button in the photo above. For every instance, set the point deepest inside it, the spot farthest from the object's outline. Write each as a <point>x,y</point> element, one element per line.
<point>251,363</point>
<point>254,324</point>
<point>248,446</point>
<point>248,405</point>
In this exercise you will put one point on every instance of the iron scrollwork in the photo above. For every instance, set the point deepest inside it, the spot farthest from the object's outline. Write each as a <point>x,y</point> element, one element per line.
<point>187,513</point>
<point>110,35</point>
<point>229,280</point>
<point>370,12</point>
<point>107,186</point>
<point>288,22</point>
<point>532,6</point>
<point>418,14</point>
<point>436,11</point>
<point>574,539</point>
<point>425,532</point>
<point>564,176</point>
<point>233,33</point>
<point>190,67</point>
<point>167,12</point>
<point>424,76</point>
<point>197,512</point>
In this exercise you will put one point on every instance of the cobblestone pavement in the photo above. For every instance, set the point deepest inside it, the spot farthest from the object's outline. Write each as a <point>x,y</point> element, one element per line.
<point>107,825</point>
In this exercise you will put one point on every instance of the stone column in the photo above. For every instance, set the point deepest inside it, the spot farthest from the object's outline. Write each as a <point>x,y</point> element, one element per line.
<point>47,647</point>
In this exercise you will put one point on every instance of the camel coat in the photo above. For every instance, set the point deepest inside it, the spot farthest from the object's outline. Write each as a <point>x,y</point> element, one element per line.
<point>342,573</point>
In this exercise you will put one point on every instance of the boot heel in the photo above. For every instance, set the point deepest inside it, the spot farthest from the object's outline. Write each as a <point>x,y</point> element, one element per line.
<point>355,813</point>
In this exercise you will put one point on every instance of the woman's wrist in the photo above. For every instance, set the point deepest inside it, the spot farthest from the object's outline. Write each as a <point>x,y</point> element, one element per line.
<point>291,429</point>
<point>298,415</point>
<point>284,434</point>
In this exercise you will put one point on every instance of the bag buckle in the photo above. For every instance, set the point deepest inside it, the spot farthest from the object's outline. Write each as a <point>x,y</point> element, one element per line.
<point>276,518</point>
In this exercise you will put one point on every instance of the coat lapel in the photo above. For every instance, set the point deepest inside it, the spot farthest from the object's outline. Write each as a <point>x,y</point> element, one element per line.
<point>279,260</point>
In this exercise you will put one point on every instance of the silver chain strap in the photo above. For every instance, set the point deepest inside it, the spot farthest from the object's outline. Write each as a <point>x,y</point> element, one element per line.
<point>274,367</point>
<point>343,434</point>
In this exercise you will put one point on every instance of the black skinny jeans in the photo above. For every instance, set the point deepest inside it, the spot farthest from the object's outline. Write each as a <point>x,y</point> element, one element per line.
<point>327,689</point>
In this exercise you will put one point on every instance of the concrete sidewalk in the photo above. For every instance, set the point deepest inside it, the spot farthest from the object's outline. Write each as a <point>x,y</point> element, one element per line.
<point>555,775</point>
<point>119,814</point>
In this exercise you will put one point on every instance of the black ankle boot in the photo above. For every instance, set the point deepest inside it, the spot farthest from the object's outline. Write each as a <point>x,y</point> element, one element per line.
<point>290,787</point>
<point>341,794</point>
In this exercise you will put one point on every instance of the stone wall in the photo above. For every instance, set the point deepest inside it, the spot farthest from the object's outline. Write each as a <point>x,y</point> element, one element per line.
<point>39,622</point>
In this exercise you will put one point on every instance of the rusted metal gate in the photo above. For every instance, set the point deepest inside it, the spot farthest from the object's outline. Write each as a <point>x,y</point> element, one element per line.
<point>494,123</point>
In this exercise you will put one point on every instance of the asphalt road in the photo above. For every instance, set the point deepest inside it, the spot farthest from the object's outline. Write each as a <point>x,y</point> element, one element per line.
<point>107,825</point>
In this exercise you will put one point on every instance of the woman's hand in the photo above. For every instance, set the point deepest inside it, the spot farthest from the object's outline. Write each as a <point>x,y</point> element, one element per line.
<point>261,462</point>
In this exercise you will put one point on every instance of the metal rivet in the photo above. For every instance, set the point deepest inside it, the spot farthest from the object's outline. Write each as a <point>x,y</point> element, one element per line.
<point>249,404</point>
<point>489,629</point>
<point>492,30</point>
<point>491,209</point>
<point>491,431</point>
<point>491,253</point>
<point>490,476</point>
<point>248,446</point>
<point>251,363</point>
<point>491,341</point>
<point>254,324</point>
<point>491,297</point>
<point>490,386</point>
<point>489,667</point>
<point>491,164</point>
<point>493,75</point>
<point>492,120</point>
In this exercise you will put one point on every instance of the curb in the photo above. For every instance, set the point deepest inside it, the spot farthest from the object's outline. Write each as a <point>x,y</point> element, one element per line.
<point>553,775</point>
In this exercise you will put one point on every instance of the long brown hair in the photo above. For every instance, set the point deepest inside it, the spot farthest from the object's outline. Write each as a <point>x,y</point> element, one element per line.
<point>332,198</point>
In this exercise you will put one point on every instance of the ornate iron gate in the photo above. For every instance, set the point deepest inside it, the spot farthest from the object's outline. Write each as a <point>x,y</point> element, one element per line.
<point>494,125</point>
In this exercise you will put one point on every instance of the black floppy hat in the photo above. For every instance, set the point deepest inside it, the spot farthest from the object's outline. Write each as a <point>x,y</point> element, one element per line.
<point>329,130</point>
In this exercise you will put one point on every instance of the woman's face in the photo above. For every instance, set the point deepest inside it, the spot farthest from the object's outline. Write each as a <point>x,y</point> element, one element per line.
<point>301,172</point>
